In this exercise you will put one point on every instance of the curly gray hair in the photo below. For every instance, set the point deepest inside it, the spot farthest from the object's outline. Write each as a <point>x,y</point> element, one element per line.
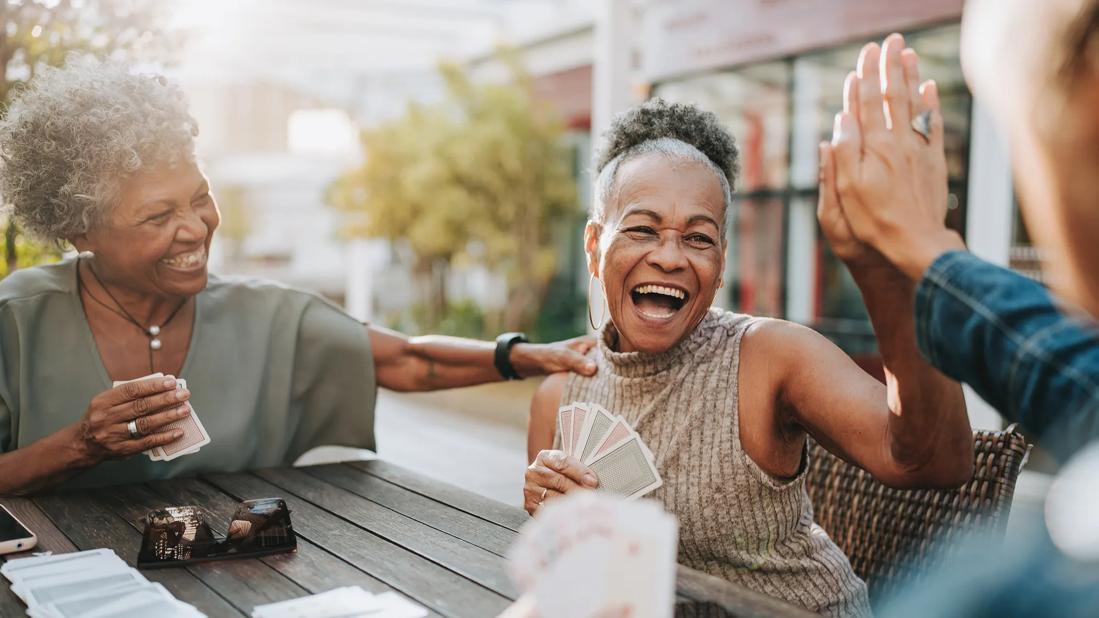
<point>76,132</point>
<point>675,130</point>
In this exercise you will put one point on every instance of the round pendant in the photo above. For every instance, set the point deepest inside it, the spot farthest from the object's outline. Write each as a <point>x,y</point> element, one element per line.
<point>154,330</point>
<point>154,344</point>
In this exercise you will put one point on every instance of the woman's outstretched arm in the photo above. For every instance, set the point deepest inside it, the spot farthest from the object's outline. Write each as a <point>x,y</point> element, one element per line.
<point>435,362</point>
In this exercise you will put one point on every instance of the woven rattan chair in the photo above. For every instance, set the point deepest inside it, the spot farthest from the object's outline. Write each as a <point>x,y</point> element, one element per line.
<point>892,535</point>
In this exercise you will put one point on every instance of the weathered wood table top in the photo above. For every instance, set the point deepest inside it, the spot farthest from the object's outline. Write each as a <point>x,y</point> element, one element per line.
<point>368,523</point>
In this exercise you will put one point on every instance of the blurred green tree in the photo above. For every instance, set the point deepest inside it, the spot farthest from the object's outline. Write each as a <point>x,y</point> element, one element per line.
<point>481,177</point>
<point>36,33</point>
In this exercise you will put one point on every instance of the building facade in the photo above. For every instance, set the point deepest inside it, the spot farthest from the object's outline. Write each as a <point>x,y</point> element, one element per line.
<point>772,70</point>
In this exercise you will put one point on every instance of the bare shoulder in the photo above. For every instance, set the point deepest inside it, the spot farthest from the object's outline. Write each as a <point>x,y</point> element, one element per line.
<point>542,426</point>
<point>548,394</point>
<point>781,349</point>
<point>772,335</point>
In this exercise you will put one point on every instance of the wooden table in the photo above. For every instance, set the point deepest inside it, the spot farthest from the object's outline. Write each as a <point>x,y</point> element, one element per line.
<point>367,523</point>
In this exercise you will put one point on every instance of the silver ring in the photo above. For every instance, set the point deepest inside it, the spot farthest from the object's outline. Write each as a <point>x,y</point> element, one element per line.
<point>132,428</point>
<point>922,124</point>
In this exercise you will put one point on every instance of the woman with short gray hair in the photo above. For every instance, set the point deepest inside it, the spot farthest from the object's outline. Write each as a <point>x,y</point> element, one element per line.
<point>103,159</point>
<point>726,402</point>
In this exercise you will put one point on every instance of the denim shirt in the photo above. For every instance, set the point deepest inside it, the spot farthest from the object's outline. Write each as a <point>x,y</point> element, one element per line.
<point>1005,336</point>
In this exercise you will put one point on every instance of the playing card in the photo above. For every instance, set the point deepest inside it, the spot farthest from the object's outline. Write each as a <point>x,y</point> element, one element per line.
<point>331,604</point>
<point>627,470</point>
<point>596,426</point>
<point>581,432</point>
<point>612,556</point>
<point>61,587</point>
<point>20,564</point>
<point>565,414</point>
<point>99,563</point>
<point>346,602</point>
<point>87,603</point>
<point>580,414</point>
<point>144,603</point>
<point>194,434</point>
<point>619,432</point>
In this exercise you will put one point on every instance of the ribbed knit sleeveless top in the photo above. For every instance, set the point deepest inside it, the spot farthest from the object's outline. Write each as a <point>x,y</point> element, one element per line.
<point>735,520</point>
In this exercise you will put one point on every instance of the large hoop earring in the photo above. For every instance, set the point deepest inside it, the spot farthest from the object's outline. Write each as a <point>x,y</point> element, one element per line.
<point>603,313</point>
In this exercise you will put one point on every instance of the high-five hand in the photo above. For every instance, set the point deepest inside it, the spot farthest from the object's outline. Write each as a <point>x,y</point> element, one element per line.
<point>886,165</point>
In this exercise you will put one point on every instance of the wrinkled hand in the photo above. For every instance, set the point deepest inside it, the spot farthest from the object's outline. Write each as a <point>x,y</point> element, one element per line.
<point>535,359</point>
<point>833,223</point>
<point>890,181</point>
<point>153,403</point>
<point>554,474</point>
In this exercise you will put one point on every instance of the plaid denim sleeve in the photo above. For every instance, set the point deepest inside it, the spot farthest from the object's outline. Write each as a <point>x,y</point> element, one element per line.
<point>1004,335</point>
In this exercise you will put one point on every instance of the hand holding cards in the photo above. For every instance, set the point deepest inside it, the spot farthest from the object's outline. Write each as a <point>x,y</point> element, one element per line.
<point>588,553</point>
<point>610,447</point>
<point>194,434</point>
<point>89,584</point>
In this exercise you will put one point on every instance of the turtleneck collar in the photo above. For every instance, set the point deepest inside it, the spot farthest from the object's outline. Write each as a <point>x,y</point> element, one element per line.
<point>642,364</point>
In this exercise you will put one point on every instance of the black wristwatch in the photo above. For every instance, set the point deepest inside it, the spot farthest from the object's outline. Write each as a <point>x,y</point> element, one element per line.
<point>503,353</point>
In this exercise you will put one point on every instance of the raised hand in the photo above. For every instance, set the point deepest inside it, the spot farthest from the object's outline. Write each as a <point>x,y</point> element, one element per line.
<point>888,180</point>
<point>534,359</point>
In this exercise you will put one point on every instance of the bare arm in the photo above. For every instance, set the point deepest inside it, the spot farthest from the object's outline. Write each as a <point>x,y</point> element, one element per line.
<point>550,473</point>
<point>543,415</point>
<point>49,461</point>
<point>435,362</point>
<point>914,430</point>
<point>911,432</point>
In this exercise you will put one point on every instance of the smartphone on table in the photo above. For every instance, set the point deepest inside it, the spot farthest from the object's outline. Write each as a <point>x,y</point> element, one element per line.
<point>14,536</point>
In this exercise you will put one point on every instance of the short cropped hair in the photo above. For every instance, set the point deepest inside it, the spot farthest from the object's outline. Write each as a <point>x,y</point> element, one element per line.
<point>75,133</point>
<point>675,130</point>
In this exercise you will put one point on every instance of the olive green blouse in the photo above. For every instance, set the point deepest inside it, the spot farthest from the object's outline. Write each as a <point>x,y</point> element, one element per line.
<point>273,372</point>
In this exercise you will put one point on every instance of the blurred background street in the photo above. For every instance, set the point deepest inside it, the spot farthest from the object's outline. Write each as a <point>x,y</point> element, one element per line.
<point>475,438</point>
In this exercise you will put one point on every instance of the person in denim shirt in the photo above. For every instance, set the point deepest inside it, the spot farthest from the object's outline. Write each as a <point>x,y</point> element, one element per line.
<point>1007,337</point>
<point>884,196</point>
<point>1032,354</point>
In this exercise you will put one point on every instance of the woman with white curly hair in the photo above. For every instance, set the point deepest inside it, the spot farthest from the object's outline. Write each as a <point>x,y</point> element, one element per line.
<point>103,159</point>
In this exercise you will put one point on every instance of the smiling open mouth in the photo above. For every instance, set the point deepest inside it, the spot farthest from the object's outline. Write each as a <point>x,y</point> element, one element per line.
<point>658,301</point>
<point>193,260</point>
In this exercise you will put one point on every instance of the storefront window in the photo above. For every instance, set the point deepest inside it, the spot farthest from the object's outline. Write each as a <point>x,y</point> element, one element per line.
<point>753,104</point>
<point>755,253</point>
<point>778,111</point>
<point>817,98</point>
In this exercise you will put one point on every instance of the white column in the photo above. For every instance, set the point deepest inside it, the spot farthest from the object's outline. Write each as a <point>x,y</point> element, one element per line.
<point>612,69</point>
<point>990,218</point>
<point>801,230</point>
<point>989,221</point>
<point>801,261</point>
<point>359,281</point>
<point>612,74</point>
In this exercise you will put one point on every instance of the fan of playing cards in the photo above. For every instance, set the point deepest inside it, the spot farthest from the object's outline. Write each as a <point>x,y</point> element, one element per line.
<point>589,554</point>
<point>610,447</point>
<point>89,584</point>
<point>194,434</point>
